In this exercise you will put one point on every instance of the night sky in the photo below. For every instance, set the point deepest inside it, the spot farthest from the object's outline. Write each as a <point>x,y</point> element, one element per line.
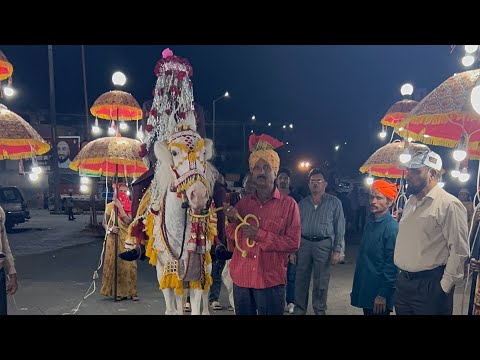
<point>332,94</point>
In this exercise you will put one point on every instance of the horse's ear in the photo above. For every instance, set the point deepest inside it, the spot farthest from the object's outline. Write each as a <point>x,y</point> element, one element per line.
<point>162,154</point>
<point>208,149</point>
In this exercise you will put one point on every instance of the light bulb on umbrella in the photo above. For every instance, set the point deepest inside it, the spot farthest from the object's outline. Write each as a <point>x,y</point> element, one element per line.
<point>406,89</point>
<point>405,156</point>
<point>464,175</point>
<point>470,49</point>
<point>468,60</point>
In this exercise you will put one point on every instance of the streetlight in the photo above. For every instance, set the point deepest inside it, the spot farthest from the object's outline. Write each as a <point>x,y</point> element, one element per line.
<point>304,165</point>
<point>337,147</point>
<point>269,124</point>
<point>290,126</point>
<point>119,78</point>
<point>226,95</point>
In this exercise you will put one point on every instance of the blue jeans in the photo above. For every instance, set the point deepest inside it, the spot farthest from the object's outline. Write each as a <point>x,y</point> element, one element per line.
<point>291,272</point>
<point>3,293</point>
<point>217,268</point>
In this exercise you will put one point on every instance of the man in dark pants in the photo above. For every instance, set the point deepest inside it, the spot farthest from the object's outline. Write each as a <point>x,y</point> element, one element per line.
<point>432,247</point>
<point>259,269</point>
<point>283,183</point>
<point>69,206</point>
<point>219,197</point>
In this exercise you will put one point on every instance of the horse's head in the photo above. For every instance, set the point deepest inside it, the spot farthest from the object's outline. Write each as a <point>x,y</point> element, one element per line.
<point>187,154</point>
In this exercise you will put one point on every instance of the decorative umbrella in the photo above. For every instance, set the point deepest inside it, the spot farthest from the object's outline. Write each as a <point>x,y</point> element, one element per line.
<point>385,161</point>
<point>116,104</point>
<point>6,68</point>
<point>108,156</point>
<point>445,117</point>
<point>18,139</point>
<point>398,112</point>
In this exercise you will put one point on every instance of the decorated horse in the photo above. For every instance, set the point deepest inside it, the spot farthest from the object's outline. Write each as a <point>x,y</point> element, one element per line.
<point>176,214</point>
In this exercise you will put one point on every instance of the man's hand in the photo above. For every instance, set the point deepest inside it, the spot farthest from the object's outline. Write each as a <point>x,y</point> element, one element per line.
<point>379,305</point>
<point>293,259</point>
<point>335,257</point>
<point>249,231</point>
<point>12,285</point>
<point>114,229</point>
<point>474,265</point>
<point>230,212</point>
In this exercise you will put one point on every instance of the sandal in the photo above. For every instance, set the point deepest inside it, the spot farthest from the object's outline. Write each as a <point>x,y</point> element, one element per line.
<point>187,307</point>
<point>215,305</point>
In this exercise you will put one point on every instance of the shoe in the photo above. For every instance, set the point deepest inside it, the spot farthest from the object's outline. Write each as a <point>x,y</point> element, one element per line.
<point>135,298</point>
<point>230,308</point>
<point>215,305</point>
<point>291,308</point>
<point>187,307</point>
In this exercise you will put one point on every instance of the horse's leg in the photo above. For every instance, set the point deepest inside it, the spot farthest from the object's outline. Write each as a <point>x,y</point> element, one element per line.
<point>169,301</point>
<point>195,299</point>
<point>179,302</point>
<point>167,293</point>
<point>205,304</point>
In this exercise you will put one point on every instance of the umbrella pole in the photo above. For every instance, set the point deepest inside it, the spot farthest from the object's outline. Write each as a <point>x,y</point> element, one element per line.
<point>116,241</point>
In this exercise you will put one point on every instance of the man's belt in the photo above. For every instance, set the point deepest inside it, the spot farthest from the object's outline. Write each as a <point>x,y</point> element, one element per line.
<point>316,238</point>
<point>426,274</point>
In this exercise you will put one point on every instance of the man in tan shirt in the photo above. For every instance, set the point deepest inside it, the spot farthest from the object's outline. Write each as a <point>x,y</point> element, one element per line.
<point>431,247</point>
<point>6,262</point>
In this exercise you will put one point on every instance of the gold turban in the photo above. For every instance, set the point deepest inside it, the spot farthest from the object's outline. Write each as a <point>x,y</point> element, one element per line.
<point>262,147</point>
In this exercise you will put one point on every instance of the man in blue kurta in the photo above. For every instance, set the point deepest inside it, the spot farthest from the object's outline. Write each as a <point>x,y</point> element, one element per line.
<point>375,271</point>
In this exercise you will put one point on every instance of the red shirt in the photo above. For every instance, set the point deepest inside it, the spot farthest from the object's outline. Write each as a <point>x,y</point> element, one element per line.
<point>278,236</point>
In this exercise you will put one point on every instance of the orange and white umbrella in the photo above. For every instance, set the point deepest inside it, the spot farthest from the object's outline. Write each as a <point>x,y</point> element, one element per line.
<point>18,139</point>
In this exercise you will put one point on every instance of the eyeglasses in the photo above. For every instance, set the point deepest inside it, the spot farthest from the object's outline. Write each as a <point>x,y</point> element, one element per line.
<point>316,181</point>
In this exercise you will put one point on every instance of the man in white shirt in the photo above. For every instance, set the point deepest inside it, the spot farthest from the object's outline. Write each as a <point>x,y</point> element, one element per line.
<point>432,246</point>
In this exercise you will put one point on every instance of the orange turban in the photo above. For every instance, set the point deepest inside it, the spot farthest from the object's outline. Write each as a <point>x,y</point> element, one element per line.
<point>262,147</point>
<point>386,188</point>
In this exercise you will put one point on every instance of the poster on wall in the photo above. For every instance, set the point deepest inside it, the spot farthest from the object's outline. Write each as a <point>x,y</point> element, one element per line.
<point>67,148</point>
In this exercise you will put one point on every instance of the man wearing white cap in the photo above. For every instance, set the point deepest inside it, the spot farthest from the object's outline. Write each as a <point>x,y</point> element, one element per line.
<point>431,247</point>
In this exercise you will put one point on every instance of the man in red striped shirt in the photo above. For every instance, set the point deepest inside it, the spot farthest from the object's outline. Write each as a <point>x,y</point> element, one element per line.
<point>259,272</point>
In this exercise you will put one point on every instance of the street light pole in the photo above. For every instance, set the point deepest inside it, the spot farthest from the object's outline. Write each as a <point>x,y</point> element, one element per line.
<point>213,137</point>
<point>53,124</point>
<point>85,94</point>
<point>226,95</point>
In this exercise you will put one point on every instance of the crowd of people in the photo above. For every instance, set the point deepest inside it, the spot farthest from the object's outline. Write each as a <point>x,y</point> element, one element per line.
<point>410,267</point>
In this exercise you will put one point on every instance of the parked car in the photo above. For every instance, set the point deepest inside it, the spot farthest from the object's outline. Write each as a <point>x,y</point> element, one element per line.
<point>13,203</point>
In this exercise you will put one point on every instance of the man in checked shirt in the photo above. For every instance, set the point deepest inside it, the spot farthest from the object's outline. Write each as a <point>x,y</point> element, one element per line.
<point>259,278</point>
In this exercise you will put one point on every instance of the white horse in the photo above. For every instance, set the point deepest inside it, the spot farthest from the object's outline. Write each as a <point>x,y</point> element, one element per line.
<point>181,193</point>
